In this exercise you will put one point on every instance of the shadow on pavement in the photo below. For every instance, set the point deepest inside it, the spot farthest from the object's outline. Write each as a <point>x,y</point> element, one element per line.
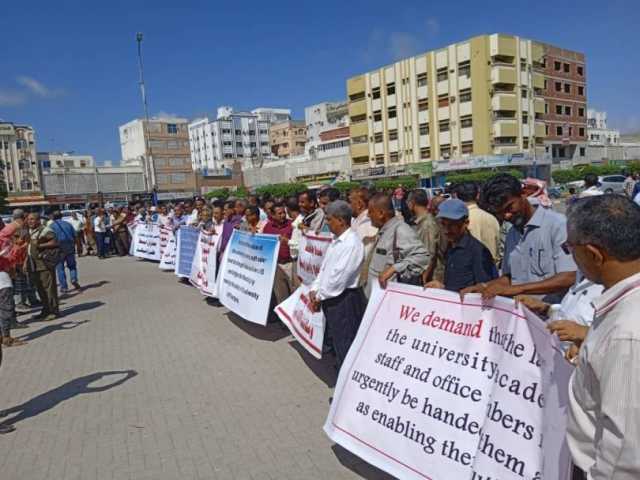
<point>68,325</point>
<point>73,388</point>
<point>94,285</point>
<point>324,368</point>
<point>272,332</point>
<point>81,307</point>
<point>359,466</point>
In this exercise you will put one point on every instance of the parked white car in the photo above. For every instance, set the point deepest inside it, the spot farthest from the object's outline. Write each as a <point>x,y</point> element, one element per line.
<point>612,183</point>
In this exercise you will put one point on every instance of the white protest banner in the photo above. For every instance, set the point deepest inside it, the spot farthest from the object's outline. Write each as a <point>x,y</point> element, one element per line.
<point>186,243</point>
<point>168,260</point>
<point>435,389</point>
<point>306,326</point>
<point>310,254</point>
<point>203,268</point>
<point>246,274</point>
<point>165,235</point>
<point>146,241</point>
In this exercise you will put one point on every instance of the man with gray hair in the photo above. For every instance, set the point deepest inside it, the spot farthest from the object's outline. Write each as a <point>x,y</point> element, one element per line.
<point>336,288</point>
<point>604,392</point>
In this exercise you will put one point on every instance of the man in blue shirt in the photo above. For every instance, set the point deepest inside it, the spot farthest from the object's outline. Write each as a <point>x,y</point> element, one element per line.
<point>66,234</point>
<point>467,260</point>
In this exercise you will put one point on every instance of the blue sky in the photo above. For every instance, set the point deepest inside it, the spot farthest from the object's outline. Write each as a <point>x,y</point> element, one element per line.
<point>70,68</point>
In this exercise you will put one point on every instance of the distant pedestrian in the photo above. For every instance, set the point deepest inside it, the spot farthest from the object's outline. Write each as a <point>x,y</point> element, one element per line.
<point>65,234</point>
<point>100,230</point>
<point>591,186</point>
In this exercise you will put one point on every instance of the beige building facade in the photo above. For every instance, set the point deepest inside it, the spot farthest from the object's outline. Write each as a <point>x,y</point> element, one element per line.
<point>19,170</point>
<point>288,138</point>
<point>167,159</point>
<point>480,97</point>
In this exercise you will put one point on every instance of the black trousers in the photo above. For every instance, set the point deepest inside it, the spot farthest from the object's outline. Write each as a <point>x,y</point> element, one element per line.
<point>344,314</point>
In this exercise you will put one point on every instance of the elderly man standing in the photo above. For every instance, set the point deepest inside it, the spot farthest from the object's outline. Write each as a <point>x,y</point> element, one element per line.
<point>604,392</point>
<point>336,288</point>
<point>534,261</point>
<point>361,223</point>
<point>398,252</point>
<point>42,275</point>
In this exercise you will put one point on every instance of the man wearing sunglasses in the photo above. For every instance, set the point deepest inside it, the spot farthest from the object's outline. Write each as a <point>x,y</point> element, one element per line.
<point>603,431</point>
<point>534,261</point>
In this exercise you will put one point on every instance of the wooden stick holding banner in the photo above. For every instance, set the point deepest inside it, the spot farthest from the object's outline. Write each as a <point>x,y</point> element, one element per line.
<point>433,388</point>
<point>247,270</point>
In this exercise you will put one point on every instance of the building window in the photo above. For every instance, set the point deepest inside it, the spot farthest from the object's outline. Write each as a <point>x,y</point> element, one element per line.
<point>356,97</point>
<point>442,74</point>
<point>360,139</point>
<point>581,91</point>
<point>358,119</point>
<point>546,130</point>
<point>391,88</point>
<point>425,153</point>
<point>239,132</point>
<point>525,118</point>
<point>424,129</point>
<point>226,131</point>
<point>178,178</point>
<point>443,100</point>
<point>172,128</point>
<point>379,159</point>
<point>391,112</point>
<point>557,66</point>
<point>423,105</point>
<point>377,116</point>
<point>421,79</point>
<point>580,70</point>
<point>558,109</point>
<point>466,147</point>
<point>581,131</point>
<point>567,110</point>
<point>443,125</point>
<point>466,121</point>
<point>252,132</point>
<point>263,132</point>
<point>567,68</point>
<point>464,69</point>
<point>393,157</point>
<point>567,88</point>
<point>558,86</point>
<point>582,151</point>
<point>545,84</point>
<point>226,144</point>
<point>393,135</point>
<point>377,137</point>
<point>238,144</point>
<point>581,111</point>
<point>162,178</point>
<point>445,150</point>
<point>546,107</point>
<point>524,93</point>
<point>375,93</point>
<point>559,131</point>
<point>525,143</point>
<point>465,95</point>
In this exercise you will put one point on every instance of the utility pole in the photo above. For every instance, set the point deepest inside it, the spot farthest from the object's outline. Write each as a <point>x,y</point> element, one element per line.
<point>149,167</point>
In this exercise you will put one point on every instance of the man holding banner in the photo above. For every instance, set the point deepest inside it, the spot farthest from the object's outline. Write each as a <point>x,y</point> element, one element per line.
<point>280,225</point>
<point>336,289</point>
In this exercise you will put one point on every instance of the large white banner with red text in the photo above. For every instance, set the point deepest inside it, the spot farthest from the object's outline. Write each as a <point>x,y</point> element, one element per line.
<point>305,325</point>
<point>168,259</point>
<point>433,388</point>
<point>310,254</point>
<point>203,268</point>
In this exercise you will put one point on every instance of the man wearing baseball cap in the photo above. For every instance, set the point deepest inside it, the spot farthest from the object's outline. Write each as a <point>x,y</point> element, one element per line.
<point>467,261</point>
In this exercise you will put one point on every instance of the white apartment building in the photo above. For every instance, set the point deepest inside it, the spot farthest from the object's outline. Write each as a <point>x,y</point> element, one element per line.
<point>18,163</point>
<point>324,123</point>
<point>56,160</point>
<point>272,115</point>
<point>597,131</point>
<point>216,144</point>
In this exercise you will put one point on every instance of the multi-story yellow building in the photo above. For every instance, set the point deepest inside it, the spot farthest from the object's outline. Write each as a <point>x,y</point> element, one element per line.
<point>479,97</point>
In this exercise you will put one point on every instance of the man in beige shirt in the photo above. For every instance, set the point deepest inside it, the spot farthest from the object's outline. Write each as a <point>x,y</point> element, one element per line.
<point>361,224</point>
<point>482,225</point>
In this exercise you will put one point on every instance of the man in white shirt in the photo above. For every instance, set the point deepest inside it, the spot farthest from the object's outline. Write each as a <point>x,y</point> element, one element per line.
<point>590,186</point>
<point>361,223</point>
<point>336,289</point>
<point>603,432</point>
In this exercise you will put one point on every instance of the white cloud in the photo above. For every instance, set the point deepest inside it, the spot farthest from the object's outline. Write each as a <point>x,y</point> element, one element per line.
<point>433,26</point>
<point>38,88</point>
<point>12,98</point>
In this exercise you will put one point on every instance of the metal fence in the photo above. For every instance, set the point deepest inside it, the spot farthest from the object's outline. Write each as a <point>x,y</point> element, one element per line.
<point>94,182</point>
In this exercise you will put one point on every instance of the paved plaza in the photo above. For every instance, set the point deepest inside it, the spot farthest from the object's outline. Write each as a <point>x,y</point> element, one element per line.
<point>143,379</point>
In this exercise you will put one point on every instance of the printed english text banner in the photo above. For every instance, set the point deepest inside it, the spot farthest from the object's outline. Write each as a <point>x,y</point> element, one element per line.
<point>435,389</point>
<point>247,270</point>
<point>306,326</point>
<point>310,254</point>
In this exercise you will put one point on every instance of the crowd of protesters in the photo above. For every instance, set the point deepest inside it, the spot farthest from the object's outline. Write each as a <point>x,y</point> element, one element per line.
<point>579,272</point>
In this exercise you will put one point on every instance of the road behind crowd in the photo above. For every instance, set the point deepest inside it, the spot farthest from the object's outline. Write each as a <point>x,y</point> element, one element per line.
<point>142,379</point>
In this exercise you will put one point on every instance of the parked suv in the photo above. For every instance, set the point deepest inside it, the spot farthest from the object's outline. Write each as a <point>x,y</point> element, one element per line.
<point>612,183</point>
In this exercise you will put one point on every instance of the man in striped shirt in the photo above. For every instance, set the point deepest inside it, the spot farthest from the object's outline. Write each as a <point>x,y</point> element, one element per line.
<point>604,392</point>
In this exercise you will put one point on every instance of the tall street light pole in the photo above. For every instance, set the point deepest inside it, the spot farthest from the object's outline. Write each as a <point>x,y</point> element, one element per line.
<point>149,167</point>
